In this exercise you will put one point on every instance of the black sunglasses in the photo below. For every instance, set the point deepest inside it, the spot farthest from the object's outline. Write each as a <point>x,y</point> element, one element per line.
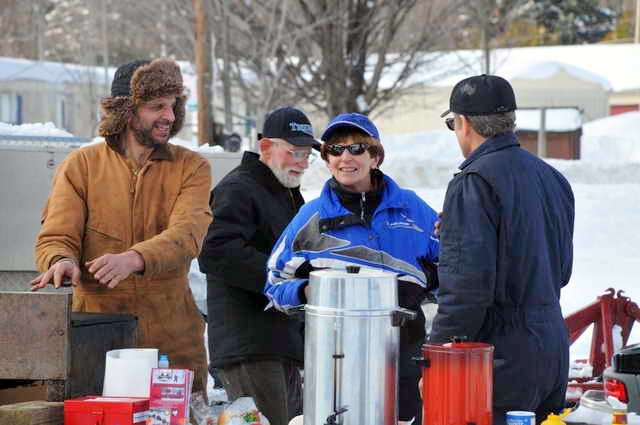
<point>450,124</point>
<point>354,149</point>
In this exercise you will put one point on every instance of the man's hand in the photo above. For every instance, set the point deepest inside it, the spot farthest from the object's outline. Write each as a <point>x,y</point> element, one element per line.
<point>420,387</point>
<point>63,268</point>
<point>436,225</point>
<point>111,269</point>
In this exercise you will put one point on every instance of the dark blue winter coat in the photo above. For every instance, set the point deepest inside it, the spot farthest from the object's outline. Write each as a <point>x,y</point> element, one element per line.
<point>505,251</point>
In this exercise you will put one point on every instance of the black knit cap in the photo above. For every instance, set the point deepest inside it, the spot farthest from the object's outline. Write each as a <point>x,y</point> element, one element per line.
<point>121,85</point>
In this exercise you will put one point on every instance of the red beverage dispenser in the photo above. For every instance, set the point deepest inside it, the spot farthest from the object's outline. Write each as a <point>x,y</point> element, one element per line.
<point>457,383</point>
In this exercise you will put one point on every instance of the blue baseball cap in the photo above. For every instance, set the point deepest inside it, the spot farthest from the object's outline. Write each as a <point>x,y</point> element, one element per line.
<point>352,120</point>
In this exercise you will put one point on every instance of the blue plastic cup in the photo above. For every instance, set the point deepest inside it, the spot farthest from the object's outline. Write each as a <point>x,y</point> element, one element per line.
<point>520,417</point>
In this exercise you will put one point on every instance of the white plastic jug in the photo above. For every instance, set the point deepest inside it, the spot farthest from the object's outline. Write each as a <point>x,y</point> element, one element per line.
<point>127,372</point>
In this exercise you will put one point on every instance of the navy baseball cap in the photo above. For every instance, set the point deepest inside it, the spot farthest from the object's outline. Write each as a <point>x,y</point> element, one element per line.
<point>351,120</point>
<point>290,124</point>
<point>482,95</point>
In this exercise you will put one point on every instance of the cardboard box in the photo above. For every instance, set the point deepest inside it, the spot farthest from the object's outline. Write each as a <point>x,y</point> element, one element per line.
<point>106,411</point>
<point>170,396</point>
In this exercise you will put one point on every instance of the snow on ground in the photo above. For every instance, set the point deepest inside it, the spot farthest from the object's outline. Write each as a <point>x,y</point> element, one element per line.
<point>611,139</point>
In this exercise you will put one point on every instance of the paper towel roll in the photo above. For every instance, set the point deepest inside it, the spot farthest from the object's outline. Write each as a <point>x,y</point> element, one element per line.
<point>127,372</point>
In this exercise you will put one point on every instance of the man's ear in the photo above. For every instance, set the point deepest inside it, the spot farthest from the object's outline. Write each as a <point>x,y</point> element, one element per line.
<point>265,147</point>
<point>465,126</point>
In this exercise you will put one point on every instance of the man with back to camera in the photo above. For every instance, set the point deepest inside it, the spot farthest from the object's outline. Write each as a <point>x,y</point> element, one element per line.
<point>506,250</point>
<point>255,352</point>
<point>126,216</point>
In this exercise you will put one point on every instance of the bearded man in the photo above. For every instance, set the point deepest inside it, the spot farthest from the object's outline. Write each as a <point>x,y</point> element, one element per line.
<point>126,216</point>
<point>254,352</point>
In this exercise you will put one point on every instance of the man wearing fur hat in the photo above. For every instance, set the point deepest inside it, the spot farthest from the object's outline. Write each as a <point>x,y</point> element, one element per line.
<point>125,217</point>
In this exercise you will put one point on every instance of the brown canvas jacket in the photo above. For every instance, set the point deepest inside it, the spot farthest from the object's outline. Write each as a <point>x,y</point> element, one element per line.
<point>100,203</point>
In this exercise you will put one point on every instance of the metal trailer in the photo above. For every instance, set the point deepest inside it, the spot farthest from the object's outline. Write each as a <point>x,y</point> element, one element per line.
<point>27,166</point>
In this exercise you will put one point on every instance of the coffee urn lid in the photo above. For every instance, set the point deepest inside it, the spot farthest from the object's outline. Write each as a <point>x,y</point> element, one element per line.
<point>356,289</point>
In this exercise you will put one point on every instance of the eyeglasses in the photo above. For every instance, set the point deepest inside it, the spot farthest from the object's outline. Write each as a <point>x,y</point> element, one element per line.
<point>300,155</point>
<point>450,124</point>
<point>354,149</point>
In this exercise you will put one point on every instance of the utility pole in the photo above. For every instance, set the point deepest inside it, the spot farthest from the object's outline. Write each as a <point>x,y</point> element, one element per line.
<point>203,71</point>
<point>105,45</point>
<point>228,119</point>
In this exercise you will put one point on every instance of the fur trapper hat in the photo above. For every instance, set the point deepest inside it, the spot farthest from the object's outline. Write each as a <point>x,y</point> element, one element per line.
<point>135,83</point>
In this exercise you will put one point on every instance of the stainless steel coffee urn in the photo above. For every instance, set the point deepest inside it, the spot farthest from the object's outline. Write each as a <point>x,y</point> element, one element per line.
<point>352,336</point>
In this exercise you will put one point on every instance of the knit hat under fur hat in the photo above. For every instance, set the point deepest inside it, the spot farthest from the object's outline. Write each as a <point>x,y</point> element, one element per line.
<point>135,83</point>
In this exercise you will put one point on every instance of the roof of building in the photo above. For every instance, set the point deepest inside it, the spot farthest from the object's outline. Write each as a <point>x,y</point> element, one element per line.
<point>15,69</point>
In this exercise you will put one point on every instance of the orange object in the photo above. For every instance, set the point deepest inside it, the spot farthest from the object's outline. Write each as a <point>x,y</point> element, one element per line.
<point>106,411</point>
<point>619,417</point>
<point>457,383</point>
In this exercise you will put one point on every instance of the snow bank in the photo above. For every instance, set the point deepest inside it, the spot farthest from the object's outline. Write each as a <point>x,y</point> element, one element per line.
<point>612,139</point>
<point>47,129</point>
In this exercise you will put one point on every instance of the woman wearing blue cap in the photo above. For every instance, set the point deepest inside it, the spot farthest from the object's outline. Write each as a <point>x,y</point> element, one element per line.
<point>360,206</point>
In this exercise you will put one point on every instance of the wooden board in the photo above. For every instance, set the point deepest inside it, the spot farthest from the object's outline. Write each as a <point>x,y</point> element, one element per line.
<point>32,413</point>
<point>34,338</point>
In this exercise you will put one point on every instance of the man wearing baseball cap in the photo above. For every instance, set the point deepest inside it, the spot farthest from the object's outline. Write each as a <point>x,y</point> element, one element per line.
<point>506,250</point>
<point>256,353</point>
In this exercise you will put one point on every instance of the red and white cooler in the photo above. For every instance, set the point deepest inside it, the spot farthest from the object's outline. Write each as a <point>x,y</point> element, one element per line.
<point>99,410</point>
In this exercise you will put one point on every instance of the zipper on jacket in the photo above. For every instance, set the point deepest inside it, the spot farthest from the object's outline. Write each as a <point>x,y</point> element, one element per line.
<point>363,203</point>
<point>293,201</point>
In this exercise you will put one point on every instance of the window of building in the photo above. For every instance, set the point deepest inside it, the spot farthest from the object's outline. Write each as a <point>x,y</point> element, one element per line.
<point>10,108</point>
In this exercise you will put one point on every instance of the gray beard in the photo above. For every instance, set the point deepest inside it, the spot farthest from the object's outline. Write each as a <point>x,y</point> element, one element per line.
<point>285,179</point>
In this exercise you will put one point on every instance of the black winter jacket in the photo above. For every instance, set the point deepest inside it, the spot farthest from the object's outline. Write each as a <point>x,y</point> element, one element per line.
<point>250,210</point>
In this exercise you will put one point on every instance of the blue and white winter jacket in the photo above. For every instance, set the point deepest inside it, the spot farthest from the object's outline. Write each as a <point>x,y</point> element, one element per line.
<point>322,235</point>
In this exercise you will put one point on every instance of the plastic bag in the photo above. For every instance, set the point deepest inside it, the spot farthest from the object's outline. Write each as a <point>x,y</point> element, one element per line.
<point>243,411</point>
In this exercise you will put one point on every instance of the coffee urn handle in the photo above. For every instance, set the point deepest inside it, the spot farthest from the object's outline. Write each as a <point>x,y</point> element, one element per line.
<point>400,316</point>
<point>333,418</point>
<point>297,310</point>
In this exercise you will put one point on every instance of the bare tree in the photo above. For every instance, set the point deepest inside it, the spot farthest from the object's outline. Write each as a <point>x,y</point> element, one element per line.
<point>488,19</point>
<point>23,26</point>
<point>257,33</point>
<point>334,55</point>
